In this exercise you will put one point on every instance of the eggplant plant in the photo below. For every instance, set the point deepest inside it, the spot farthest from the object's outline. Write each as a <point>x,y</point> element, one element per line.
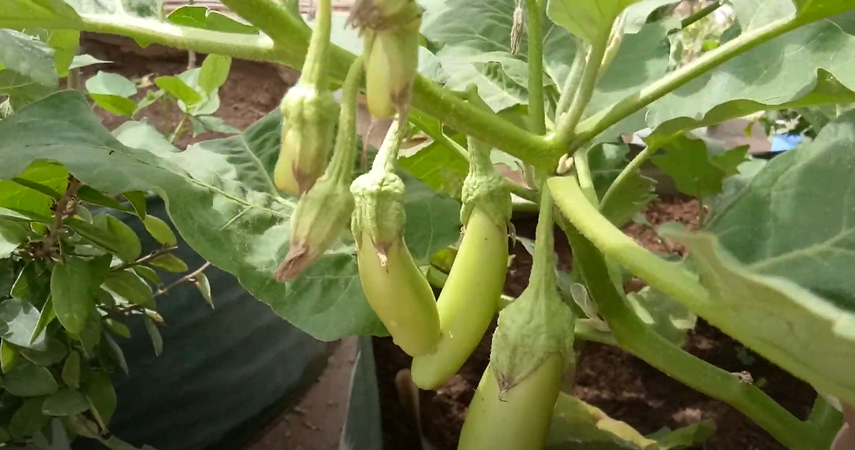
<point>552,86</point>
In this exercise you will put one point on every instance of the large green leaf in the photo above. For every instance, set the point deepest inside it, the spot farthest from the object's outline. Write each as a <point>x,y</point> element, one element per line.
<point>27,69</point>
<point>590,20</point>
<point>776,262</point>
<point>47,13</point>
<point>221,200</point>
<point>809,66</point>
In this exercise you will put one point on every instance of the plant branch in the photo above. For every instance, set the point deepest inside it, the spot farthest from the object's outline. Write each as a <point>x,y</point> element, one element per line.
<point>537,117</point>
<point>670,278</point>
<point>63,208</point>
<point>639,339</point>
<point>523,192</point>
<point>189,278</point>
<point>145,259</point>
<point>571,84</point>
<point>697,16</point>
<point>602,120</point>
<point>243,46</point>
<point>567,123</point>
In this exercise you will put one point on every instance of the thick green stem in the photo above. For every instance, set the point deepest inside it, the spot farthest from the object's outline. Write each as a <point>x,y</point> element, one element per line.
<point>244,46</point>
<point>341,165</point>
<point>825,417</point>
<point>537,117</point>
<point>567,123</point>
<point>583,174</point>
<point>387,154</point>
<point>316,65</point>
<point>543,260</point>
<point>639,339</point>
<point>571,84</point>
<point>602,120</point>
<point>671,278</point>
<point>624,176</point>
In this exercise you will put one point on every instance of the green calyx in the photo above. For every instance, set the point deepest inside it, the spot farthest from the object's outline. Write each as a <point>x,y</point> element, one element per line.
<point>379,197</point>
<point>308,133</point>
<point>538,324</point>
<point>484,187</point>
<point>381,15</point>
<point>323,213</point>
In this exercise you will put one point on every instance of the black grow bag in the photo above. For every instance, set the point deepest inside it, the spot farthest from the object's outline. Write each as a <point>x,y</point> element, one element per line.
<point>224,373</point>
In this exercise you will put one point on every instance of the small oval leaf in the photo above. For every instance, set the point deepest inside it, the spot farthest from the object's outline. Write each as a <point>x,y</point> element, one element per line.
<point>66,402</point>
<point>130,287</point>
<point>170,263</point>
<point>71,370</point>
<point>29,380</point>
<point>71,289</point>
<point>160,231</point>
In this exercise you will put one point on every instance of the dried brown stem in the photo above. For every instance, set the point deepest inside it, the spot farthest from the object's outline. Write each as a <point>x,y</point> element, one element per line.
<point>145,259</point>
<point>64,207</point>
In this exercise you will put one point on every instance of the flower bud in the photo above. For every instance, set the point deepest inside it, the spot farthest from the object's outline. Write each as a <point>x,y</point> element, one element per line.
<point>391,64</point>
<point>308,133</point>
<point>321,217</point>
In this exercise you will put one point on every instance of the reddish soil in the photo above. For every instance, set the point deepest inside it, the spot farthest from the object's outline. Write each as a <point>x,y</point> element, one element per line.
<point>620,384</point>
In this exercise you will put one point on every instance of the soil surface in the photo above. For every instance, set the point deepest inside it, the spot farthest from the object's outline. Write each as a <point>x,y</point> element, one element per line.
<point>621,385</point>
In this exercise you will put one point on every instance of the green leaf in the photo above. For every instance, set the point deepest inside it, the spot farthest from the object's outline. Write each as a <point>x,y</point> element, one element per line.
<point>202,17</point>
<point>65,44</point>
<point>733,185</point>
<point>71,370</point>
<point>590,20</point>
<point>18,322</point>
<point>112,92</point>
<point>120,238</point>
<point>761,78</point>
<point>27,70</point>
<point>214,72</point>
<point>8,356</point>
<point>169,262</point>
<point>55,352</point>
<point>148,273</point>
<point>204,287</point>
<point>436,164</point>
<point>785,291</point>
<point>215,124</point>
<point>65,402</point>
<point>117,353</point>
<point>28,419</point>
<point>576,424</point>
<point>160,231</point>
<point>177,88</point>
<point>128,286</point>
<point>32,284</point>
<point>47,13</point>
<point>71,289</point>
<point>81,61</point>
<point>26,379</point>
<point>89,195</point>
<point>138,202</point>
<point>664,315</point>
<point>696,172</point>
<point>102,397</point>
<point>606,161</point>
<point>227,204</point>
<point>90,337</point>
<point>154,334</point>
<point>46,316</point>
<point>16,196</point>
<point>118,327</point>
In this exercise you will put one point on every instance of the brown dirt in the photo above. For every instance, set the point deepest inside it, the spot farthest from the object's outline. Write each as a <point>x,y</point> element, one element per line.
<point>620,384</point>
<point>623,386</point>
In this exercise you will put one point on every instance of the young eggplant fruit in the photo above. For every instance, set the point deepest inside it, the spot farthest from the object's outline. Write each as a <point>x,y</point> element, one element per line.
<point>470,298</point>
<point>520,419</point>
<point>394,286</point>
<point>324,212</point>
<point>532,348</point>
<point>309,113</point>
<point>391,64</point>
